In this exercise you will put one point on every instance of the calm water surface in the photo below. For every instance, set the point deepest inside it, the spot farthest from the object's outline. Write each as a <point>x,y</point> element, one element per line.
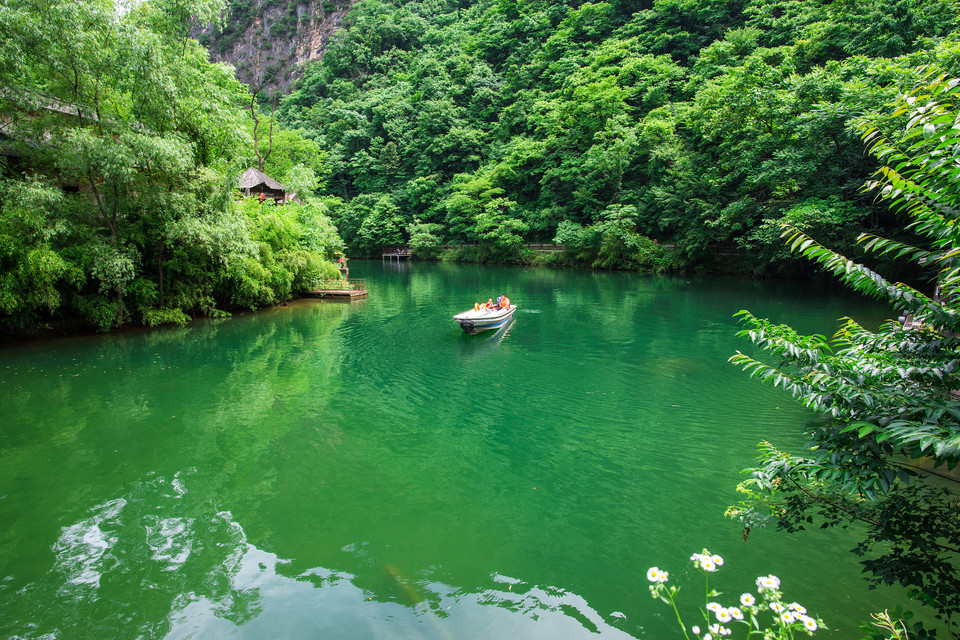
<point>364,470</point>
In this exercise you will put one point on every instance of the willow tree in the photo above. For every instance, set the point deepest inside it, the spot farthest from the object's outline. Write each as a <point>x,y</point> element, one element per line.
<point>890,398</point>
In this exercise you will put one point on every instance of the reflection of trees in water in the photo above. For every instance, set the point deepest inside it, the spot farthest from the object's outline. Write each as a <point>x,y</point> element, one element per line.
<point>122,552</point>
<point>295,426</point>
<point>88,538</point>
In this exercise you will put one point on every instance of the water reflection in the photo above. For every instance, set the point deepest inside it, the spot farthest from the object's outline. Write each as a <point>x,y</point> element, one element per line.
<point>213,582</point>
<point>400,266</point>
<point>503,332</point>
<point>366,470</point>
<point>340,604</point>
<point>484,345</point>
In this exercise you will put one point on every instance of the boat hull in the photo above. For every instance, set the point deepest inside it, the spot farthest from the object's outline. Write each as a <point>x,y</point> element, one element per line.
<point>474,322</point>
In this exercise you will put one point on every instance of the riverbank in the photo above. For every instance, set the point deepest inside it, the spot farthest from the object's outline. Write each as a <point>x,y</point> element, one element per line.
<point>653,259</point>
<point>666,260</point>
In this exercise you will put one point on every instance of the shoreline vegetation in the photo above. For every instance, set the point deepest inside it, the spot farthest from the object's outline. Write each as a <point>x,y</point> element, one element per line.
<point>633,253</point>
<point>656,260</point>
<point>640,137</point>
<point>64,325</point>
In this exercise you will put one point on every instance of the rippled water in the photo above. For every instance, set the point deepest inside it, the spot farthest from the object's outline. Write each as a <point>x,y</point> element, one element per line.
<point>365,470</point>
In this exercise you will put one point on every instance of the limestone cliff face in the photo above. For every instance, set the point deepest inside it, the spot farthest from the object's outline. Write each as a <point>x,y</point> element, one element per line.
<point>270,40</point>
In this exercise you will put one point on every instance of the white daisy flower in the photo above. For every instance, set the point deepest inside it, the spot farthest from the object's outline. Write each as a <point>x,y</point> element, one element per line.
<point>768,582</point>
<point>777,607</point>
<point>723,615</point>
<point>655,575</point>
<point>793,606</point>
<point>788,617</point>
<point>735,613</point>
<point>714,607</point>
<point>809,623</point>
<point>706,561</point>
<point>748,600</point>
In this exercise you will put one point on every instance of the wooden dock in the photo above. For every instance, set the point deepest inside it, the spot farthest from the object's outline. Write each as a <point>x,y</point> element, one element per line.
<point>400,253</point>
<point>348,288</point>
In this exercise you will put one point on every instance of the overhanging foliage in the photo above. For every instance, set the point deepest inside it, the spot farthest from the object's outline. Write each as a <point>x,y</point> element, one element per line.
<point>891,397</point>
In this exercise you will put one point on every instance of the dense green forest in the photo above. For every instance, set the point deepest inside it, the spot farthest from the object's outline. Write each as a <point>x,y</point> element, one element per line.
<point>642,135</point>
<point>121,150</point>
<point>637,134</point>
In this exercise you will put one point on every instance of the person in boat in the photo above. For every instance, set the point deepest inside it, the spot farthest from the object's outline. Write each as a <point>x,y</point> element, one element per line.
<point>489,304</point>
<point>503,302</point>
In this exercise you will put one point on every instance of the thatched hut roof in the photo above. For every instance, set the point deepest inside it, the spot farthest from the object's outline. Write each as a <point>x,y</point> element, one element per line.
<point>253,178</point>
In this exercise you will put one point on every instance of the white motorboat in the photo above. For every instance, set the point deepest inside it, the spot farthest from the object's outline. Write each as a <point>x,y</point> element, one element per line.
<point>474,321</point>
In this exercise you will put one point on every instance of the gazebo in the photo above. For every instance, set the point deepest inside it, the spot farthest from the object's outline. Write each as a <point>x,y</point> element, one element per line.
<point>253,181</point>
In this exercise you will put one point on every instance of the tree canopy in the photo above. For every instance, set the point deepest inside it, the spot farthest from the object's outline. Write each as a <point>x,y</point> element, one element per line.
<point>712,121</point>
<point>122,145</point>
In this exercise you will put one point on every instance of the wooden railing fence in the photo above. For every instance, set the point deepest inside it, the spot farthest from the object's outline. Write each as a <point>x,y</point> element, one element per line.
<point>343,284</point>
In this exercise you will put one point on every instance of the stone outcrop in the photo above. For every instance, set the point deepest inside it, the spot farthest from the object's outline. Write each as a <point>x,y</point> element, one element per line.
<point>270,41</point>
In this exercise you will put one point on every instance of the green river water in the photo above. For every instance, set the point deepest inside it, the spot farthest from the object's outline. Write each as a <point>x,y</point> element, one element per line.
<point>366,470</point>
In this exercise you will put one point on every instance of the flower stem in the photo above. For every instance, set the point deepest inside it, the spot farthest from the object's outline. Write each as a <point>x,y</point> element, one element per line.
<point>683,627</point>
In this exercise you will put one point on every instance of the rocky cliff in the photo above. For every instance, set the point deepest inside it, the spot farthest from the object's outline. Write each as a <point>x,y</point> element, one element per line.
<point>268,41</point>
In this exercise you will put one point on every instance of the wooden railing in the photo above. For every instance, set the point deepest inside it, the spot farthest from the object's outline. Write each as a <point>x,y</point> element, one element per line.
<point>344,284</point>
